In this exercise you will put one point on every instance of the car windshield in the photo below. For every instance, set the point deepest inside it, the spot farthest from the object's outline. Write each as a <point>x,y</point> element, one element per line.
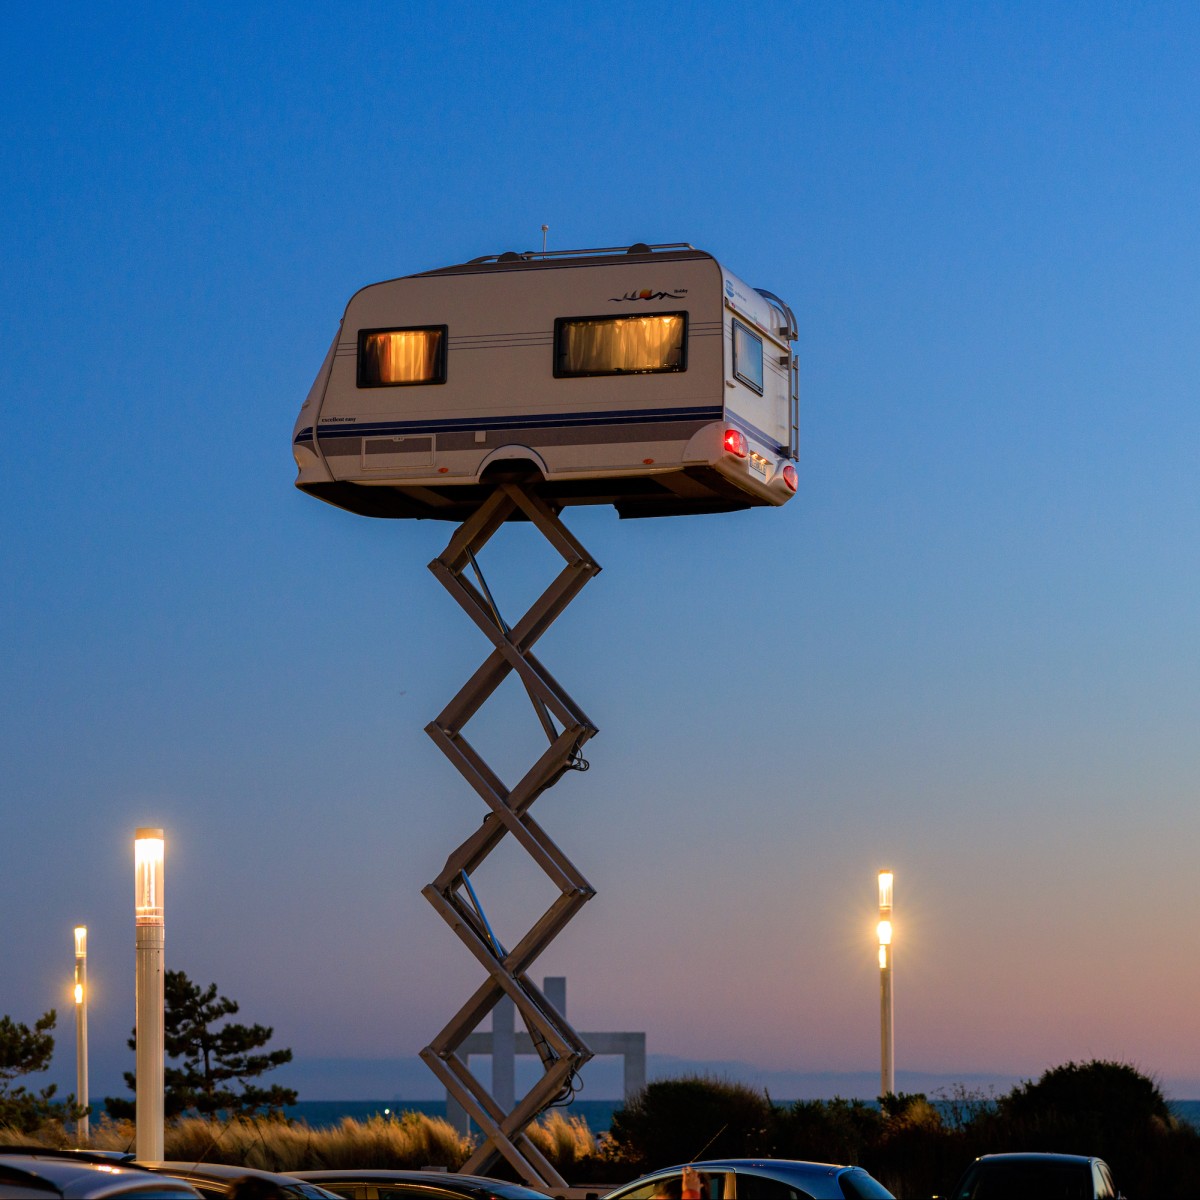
<point>159,1192</point>
<point>1027,1181</point>
<point>858,1185</point>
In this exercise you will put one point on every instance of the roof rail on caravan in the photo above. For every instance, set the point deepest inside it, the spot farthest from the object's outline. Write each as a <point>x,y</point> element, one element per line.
<point>635,248</point>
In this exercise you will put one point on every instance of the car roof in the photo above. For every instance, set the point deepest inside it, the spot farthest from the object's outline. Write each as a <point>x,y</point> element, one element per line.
<point>790,1166</point>
<point>1038,1156</point>
<point>214,1172</point>
<point>81,1176</point>
<point>446,1179</point>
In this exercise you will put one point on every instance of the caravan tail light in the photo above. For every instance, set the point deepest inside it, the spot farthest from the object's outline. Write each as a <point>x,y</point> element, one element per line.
<point>790,479</point>
<point>735,443</point>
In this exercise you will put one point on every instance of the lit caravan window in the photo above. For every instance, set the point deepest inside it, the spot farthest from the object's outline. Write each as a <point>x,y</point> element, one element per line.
<point>747,357</point>
<point>396,357</point>
<point>620,345</point>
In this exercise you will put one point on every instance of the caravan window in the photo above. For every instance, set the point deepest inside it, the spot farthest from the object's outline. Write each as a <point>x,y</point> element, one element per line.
<point>747,357</point>
<point>397,357</point>
<point>620,345</point>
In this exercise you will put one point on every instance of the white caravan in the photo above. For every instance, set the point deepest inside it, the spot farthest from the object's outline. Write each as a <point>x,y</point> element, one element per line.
<point>647,377</point>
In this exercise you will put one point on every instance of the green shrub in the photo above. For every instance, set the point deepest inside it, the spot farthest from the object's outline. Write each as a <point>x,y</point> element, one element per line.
<point>677,1120</point>
<point>836,1131</point>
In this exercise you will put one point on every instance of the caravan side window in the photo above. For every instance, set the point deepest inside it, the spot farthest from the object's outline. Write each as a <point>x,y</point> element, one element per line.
<point>747,357</point>
<point>620,345</point>
<point>399,357</point>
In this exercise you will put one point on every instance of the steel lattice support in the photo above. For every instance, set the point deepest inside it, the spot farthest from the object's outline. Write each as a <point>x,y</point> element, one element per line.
<point>567,728</point>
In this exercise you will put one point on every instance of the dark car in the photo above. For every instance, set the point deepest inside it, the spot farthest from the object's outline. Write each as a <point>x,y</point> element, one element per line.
<point>35,1173</point>
<point>758,1179</point>
<point>212,1180</point>
<point>1037,1177</point>
<point>417,1185</point>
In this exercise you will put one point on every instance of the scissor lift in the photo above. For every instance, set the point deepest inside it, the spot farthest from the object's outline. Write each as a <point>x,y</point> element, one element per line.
<point>567,729</point>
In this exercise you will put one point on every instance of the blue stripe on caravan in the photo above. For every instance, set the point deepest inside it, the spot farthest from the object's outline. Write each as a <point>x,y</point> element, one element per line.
<point>627,416</point>
<point>639,416</point>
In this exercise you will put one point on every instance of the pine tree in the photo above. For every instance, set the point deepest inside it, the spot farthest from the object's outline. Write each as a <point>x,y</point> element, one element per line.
<point>210,1059</point>
<point>25,1051</point>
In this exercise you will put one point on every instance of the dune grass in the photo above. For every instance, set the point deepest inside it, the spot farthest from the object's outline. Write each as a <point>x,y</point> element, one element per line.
<point>407,1141</point>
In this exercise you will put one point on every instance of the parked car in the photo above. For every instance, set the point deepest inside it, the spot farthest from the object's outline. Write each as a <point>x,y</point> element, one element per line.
<point>36,1173</point>
<point>758,1179</point>
<point>1037,1177</point>
<point>212,1180</point>
<point>417,1185</point>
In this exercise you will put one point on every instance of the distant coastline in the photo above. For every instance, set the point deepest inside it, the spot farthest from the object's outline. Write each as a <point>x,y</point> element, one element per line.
<point>321,1114</point>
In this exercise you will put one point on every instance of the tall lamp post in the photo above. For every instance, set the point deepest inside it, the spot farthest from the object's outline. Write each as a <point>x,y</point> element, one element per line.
<point>887,1074</point>
<point>81,1053</point>
<point>148,847</point>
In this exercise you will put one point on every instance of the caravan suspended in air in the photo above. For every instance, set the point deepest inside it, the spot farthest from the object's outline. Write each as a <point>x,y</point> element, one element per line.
<point>646,377</point>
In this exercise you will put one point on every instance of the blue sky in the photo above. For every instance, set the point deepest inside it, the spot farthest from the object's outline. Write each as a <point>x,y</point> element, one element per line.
<point>967,649</point>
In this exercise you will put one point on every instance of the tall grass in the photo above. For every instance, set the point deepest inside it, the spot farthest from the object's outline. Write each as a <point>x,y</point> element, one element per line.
<point>405,1142</point>
<point>566,1141</point>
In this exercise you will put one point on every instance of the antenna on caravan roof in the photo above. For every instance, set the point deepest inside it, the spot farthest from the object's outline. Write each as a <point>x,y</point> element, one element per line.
<point>545,230</point>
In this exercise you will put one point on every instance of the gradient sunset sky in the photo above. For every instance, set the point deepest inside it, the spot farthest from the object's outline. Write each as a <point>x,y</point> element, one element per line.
<point>967,649</point>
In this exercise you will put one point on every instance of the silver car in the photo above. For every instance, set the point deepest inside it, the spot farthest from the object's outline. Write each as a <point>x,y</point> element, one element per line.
<point>29,1173</point>
<point>758,1179</point>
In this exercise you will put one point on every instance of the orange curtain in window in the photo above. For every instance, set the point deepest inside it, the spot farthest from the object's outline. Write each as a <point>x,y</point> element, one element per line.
<point>402,356</point>
<point>623,344</point>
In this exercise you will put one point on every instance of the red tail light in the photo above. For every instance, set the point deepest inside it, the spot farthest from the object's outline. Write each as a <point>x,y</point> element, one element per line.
<point>735,443</point>
<point>790,478</point>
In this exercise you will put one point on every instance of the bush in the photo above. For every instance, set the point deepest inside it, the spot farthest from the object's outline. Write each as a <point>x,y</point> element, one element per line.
<point>1102,1108</point>
<point>678,1120</point>
<point>836,1131</point>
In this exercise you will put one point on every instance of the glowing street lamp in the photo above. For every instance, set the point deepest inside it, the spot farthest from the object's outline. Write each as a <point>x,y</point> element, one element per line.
<point>148,853</point>
<point>81,1053</point>
<point>884,930</point>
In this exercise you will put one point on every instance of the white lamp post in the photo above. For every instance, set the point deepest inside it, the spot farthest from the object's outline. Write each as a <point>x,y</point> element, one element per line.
<point>148,849</point>
<point>884,929</point>
<point>81,1053</point>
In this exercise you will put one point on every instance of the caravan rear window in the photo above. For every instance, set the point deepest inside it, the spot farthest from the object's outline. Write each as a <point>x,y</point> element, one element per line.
<point>747,357</point>
<point>620,345</point>
<point>397,357</point>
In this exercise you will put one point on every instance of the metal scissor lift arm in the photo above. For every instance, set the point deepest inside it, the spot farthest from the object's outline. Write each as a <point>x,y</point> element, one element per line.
<point>567,728</point>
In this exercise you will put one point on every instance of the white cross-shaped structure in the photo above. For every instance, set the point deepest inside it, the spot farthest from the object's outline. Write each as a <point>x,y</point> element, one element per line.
<point>503,1044</point>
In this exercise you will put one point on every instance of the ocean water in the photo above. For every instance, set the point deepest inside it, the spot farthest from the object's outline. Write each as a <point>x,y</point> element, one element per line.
<point>321,1114</point>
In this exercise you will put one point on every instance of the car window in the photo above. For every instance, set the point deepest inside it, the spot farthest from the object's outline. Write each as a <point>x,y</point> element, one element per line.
<point>1027,1180</point>
<point>1104,1184</point>
<point>669,1187</point>
<point>760,1187</point>
<point>415,1191</point>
